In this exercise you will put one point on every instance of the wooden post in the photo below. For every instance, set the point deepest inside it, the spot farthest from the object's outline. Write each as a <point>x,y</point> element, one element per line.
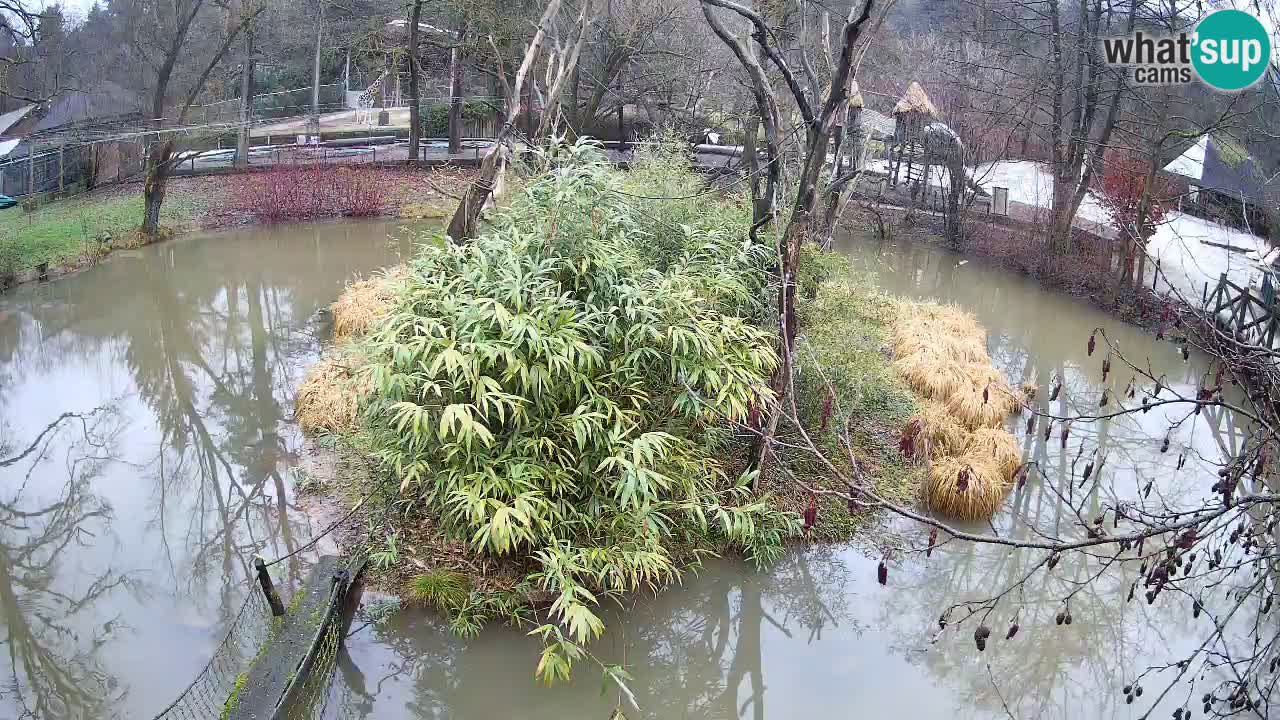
<point>31,168</point>
<point>268,589</point>
<point>61,171</point>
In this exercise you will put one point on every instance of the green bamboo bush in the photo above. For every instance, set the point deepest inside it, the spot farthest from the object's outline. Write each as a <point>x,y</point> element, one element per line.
<point>558,389</point>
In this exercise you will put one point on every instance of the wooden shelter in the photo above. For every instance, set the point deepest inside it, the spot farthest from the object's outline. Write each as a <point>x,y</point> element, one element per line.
<point>912,114</point>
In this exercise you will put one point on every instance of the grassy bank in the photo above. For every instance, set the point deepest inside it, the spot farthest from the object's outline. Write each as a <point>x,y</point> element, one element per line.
<point>77,230</point>
<point>74,232</point>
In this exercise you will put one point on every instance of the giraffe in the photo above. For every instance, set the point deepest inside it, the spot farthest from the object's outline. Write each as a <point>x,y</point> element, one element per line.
<point>364,104</point>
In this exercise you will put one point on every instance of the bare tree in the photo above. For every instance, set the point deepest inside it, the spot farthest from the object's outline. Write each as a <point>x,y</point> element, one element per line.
<point>246,98</point>
<point>19,25</point>
<point>415,94</point>
<point>462,226</point>
<point>818,107</point>
<point>163,38</point>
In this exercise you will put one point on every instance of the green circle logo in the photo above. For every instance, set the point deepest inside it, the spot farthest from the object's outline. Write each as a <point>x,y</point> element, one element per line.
<point>1232,50</point>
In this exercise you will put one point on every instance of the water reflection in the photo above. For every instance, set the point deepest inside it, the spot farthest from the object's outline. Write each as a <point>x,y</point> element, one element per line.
<point>44,522</point>
<point>699,652</point>
<point>197,345</point>
<point>818,637</point>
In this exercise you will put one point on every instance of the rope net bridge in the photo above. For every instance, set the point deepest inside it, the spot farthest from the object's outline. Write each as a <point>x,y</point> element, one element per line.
<point>276,661</point>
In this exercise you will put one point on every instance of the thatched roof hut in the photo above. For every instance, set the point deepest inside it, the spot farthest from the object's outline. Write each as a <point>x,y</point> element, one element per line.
<point>914,100</point>
<point>855,96</point>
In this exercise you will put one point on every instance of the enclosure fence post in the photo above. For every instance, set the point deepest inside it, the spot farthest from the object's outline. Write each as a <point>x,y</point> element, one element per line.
<point>268,588</point>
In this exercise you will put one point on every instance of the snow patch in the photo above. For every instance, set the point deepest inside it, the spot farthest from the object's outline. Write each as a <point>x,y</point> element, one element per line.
<point>1188,261</point>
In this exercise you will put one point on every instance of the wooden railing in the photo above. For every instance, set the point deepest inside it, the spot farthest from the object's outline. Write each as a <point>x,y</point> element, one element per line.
<point>1250,314</point>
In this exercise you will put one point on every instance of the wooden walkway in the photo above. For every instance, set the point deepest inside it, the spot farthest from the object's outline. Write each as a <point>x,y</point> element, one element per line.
<point>273,681</point>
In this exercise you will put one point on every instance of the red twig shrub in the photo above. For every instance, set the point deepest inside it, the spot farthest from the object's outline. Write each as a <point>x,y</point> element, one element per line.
<point>1124,181</point>
<point>309,192</point>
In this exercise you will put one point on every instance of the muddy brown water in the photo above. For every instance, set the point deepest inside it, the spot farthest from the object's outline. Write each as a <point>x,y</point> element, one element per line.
<point>126,536</point>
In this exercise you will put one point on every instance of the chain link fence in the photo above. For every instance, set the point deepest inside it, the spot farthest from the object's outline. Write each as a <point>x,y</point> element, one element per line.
<point>207,695</point>
<point>215,692</point>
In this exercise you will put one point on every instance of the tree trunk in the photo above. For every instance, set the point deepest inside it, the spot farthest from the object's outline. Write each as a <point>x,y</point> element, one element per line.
<point>313,126</point>
<point>415,94</point>
<point>749,160</point>
<point>246,101</point>
<point>153,189</point>
<point>954,228</point>
<point>384,92</point>
<point>573,111</point>
<point>455,96</point>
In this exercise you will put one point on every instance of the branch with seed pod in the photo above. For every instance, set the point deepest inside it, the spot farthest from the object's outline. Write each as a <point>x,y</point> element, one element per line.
<point>1178,541</point>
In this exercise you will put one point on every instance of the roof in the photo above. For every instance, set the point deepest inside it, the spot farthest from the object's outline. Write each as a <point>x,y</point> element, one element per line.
<point>855,95</point>
<point>1190,164</point>
<point>915,100</point>
<point>7,146</point>
<point>401,25</point>
<point>83,107</point>
<point>1230,169</point>
<point>11,118</point>
<point>878,124</point>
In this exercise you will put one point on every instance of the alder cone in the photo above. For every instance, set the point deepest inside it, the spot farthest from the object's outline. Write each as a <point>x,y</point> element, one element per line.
<point>980,637</point>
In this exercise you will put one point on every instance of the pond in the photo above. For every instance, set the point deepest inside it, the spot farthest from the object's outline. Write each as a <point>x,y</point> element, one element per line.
<point>126,535</point>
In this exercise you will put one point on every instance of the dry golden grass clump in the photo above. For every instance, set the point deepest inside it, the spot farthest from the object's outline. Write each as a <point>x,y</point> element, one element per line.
<point>363,303</point>
<point>965,487</point>
<point>329,397</point>
<point>995,446</point>
<point>984,399</point>
<point>946,436</point>
<point>941,352</point>
<point>930,373</point>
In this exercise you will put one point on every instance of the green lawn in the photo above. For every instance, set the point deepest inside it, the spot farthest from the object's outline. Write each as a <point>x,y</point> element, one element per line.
<point>66,231</point>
